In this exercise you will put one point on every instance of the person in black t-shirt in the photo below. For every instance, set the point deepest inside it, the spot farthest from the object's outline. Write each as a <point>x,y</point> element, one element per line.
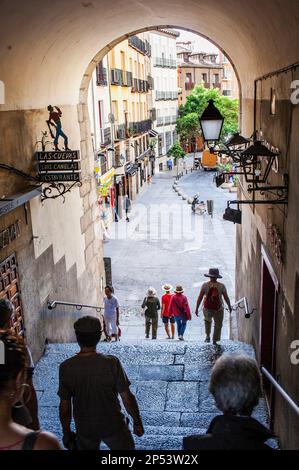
<point>89,387</point>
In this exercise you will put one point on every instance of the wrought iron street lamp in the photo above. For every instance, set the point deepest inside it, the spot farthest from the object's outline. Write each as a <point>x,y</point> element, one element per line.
<point>211,123</point>
<point>257,161</point>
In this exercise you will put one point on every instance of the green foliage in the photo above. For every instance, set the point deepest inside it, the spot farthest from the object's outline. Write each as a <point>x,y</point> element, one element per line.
<point>198,101</point>
<point>176,151</point>
<point>153,143</point>
<point>188,127</point>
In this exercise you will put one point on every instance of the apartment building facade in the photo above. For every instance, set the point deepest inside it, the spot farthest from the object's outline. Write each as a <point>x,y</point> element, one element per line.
<point>120,109</point>
<point>165,92</point>
<point>196,68</point>
<point>229,81</point>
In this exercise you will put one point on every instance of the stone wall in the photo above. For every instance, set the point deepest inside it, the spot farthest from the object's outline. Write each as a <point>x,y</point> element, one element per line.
<point>254,233</point>
<point>59,252</point>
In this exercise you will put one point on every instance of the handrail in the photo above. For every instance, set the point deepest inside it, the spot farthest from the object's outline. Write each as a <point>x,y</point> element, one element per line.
<point>78,306</point>
<point>282,392</point>
<point>244,301</point>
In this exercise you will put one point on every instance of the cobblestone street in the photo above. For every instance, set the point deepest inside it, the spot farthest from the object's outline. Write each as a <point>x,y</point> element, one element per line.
<point>165,242</point>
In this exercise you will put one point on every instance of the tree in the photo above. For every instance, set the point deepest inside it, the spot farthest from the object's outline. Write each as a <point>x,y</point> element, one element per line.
<point>188,128</point>
<point>198,101</point>
<point>176,151</point>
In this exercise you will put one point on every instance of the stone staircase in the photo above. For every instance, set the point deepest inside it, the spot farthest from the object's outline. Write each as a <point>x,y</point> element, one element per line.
<point>169,379</point>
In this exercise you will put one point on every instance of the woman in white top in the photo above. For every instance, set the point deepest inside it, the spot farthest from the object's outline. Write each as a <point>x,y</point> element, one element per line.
<point>111,314</point>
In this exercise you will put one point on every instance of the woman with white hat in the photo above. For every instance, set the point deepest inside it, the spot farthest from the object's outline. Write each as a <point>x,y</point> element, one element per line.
<point>165,314</point>
<point>151,304</point>
<point>179,308</point>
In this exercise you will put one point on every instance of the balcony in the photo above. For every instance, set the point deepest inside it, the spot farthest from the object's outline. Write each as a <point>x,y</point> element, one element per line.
<point>121,77</point>
<point>140,127</point>
<point>166,95</point>
<point>105,135</point>
<point>121,132</point>
<point>166,120</point>
<point>101,76</point>
<point>163,62</point>
<point>189,86</point>
<point>140,86</point>
<point>217,85</point>
<point>141,46</point>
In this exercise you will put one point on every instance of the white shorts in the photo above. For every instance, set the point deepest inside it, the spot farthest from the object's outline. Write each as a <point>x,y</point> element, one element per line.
<point>110,322</point>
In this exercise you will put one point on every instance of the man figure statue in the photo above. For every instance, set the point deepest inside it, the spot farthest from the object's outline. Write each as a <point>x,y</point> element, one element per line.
<point>55,121</point>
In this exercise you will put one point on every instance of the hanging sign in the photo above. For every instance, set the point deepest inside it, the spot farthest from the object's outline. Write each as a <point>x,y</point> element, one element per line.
<point>63,155</point>
<point>55,167</point>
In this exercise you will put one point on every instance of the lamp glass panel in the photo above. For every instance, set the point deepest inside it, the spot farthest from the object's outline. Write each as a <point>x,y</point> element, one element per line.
<point>211,129</point>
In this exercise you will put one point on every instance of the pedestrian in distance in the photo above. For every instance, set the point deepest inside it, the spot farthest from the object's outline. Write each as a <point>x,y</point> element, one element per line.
<point>179,308</point>
<point>90,385</point>
<point>24,415</point>
<point>128,206</point>
<point>14,391</point>
<point>167,318</point>
<point>235,384</point>
<point>213,293</point>
<point>111,314</point>
<point>169,164</point>
<point>151,304</point>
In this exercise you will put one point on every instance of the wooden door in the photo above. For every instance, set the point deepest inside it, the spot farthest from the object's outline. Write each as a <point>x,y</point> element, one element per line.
<point>10,289</point>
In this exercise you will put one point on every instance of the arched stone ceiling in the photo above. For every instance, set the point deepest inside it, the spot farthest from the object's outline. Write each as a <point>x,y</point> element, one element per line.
<point>46,46</point>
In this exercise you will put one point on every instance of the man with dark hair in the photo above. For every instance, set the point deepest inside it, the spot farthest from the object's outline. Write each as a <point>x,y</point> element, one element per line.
<point>89,385</point>
<point>26,415</point>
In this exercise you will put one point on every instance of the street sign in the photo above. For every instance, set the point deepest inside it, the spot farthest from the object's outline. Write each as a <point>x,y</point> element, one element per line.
<point>67,155</point>
<point>59,177</point>
<point>58,166</point>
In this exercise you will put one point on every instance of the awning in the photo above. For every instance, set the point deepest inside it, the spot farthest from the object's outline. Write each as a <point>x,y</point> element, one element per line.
<point>12,202</point>
<point>131,169</point>
<point>153,133</point>
<point>107,177</point>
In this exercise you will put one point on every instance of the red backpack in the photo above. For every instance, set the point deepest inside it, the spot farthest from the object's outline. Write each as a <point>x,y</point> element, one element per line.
<point>212,300</point>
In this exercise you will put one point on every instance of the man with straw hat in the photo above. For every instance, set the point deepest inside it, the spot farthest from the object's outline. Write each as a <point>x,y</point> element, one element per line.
<point>165,314</point>
<point>213,293</point>
<point>179,308</point>
<point>151,304</point>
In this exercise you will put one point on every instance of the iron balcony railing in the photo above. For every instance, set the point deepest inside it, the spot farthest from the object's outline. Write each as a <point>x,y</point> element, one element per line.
<point>163,62</point>
<point>189,86</point>
<point>121,77</point>
<point>166,120</point>
<point>105,134</point>
<point>101,75</point>
<point>166,95</point>
<point>140,86</point>
<point>141,126</point>
<point>120,132</point>
<point>141,46</point>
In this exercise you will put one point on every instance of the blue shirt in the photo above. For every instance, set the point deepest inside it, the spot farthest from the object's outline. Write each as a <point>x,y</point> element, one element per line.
<point>110,305</point>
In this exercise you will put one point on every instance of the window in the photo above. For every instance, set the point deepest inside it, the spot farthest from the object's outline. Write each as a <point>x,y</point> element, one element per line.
<point>188,77</point>
<point>216,78</point>
<point>226,93</point>
<point>115,110</point>
<point>204,77</point>
<point>101,111</point>
<point>167,140</point>
<point>273,102</point>
<point>123,60</point>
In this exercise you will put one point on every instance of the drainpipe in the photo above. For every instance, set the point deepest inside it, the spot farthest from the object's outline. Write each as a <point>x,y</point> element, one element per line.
<point>94,115</point>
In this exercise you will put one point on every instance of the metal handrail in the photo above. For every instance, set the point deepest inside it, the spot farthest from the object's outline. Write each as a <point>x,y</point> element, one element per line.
<point>244,301</point>
<point>282,392</point>
<point>78,306</point>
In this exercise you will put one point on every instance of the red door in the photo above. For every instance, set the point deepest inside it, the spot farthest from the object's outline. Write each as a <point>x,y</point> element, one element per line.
<point>268,307</point>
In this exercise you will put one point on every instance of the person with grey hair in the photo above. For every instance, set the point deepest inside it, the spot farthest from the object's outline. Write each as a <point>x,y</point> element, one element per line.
<point>235,384</point>
<point>23,415</point>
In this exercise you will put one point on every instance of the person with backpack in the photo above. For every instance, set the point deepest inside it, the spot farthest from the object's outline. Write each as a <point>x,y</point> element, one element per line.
<point>151,304</point>
<point>213,293</point>
<point>180,310</point>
